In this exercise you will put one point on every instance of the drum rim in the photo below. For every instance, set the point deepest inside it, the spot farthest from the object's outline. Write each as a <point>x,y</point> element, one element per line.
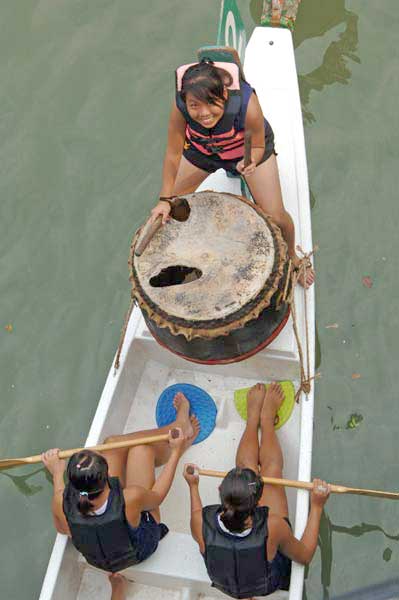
<point>211,328</point>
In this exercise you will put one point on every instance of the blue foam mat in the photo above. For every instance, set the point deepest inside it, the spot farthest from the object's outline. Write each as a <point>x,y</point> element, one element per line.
<point>201,405</point>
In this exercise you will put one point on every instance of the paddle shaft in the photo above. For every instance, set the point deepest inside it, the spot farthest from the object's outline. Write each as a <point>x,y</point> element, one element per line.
<point>100,448</point>
<point>307,485</point>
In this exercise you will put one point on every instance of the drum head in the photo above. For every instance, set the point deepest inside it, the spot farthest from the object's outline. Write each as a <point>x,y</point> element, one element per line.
<point>212,266</point>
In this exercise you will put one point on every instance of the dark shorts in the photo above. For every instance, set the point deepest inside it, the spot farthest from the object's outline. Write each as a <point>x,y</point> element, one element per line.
<point>147,535</point>
<point>212,162</point>
<point>280,570</point>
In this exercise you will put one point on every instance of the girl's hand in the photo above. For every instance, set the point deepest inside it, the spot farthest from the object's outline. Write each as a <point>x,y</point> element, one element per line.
<point>53,464</point>
<point>191,478</point>
<point>246,171</point>
<point>320,493</point>
<point>176,439</point>
<point>163,209</point>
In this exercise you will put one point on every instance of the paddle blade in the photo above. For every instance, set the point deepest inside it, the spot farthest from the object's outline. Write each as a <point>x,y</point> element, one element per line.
<point>9,463</point>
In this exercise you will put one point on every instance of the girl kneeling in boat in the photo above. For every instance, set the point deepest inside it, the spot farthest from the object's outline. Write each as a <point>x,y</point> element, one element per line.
<point>110,504</point>
<point>246,541</point>
<point>213,107</point>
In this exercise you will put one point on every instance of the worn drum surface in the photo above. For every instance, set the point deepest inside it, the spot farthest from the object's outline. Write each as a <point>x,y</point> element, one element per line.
<point>211,287</point>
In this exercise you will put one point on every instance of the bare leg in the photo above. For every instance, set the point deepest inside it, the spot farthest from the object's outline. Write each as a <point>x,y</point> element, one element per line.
<point>159,452</point>
<point>270,454</point>
<point>188,178</point>
<point>265,188</point>
<point>248,449</point>
<point>119,586</point>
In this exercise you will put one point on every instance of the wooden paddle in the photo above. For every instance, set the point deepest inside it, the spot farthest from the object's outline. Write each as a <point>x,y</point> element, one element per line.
<point>306,485</point>
<point>8,463</point>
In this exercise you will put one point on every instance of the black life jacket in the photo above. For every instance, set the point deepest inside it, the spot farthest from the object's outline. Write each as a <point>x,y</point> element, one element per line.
<point>102,539</point>
<point>236,566</point>
<point>226,139</point>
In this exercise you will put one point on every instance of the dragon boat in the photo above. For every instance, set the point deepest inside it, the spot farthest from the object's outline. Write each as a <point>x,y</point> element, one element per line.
<point>176,570</point>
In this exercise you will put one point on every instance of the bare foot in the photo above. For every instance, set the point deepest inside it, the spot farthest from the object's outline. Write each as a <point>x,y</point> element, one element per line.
<point>307,279</point>
<point>119,586</point>
<point>195,424</point>
<point>182,407</point>
<point>272,401</point>
<point>255,398</point>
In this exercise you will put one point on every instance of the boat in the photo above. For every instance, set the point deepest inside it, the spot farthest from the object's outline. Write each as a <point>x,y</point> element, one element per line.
<point>129,397</point>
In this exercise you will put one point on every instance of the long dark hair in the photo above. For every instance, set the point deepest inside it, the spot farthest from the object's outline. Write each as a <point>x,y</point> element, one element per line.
<point>88,473</point>
<point>240,493</point>
<point>205,82</point>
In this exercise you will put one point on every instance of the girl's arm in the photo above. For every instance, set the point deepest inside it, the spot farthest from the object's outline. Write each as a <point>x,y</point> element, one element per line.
<point>302,551</point>
<point>174,150</point>
<point>254,122</point>
<point>173,154</point>
<point>138,498</point>
<point>56,468</point>
<point>196,506</point>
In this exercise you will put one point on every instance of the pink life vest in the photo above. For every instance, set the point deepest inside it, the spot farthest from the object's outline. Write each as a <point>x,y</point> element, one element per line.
<point>226,139</point>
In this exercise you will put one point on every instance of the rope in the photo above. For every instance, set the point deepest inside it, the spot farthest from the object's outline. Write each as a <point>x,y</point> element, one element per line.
<point>123,334</point>
<point>306,378</point>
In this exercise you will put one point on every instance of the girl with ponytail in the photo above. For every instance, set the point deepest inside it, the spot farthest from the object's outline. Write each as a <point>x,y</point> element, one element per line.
<point>246,540</point>
<point>110,503</point>
<point>212,109</point>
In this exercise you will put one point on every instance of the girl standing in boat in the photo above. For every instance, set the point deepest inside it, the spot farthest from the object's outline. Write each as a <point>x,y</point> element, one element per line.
<point>246,541</point>
<point>110,504</point>
<point>213,108</point>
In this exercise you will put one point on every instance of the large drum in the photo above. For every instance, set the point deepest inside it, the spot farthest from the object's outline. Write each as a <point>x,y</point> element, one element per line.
<point>212,288</point>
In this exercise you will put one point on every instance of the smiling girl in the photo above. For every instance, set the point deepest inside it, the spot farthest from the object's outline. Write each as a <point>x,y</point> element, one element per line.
<point>212,110</point>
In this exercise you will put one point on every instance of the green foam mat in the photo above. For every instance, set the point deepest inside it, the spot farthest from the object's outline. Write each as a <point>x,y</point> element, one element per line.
<point>285,410</point>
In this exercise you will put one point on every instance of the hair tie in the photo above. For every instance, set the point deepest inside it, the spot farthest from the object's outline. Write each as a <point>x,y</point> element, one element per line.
<point>78,466</point>
<point>84,493</point>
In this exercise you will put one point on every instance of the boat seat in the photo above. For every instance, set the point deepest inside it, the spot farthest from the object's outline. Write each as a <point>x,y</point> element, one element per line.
<point>177,564</point>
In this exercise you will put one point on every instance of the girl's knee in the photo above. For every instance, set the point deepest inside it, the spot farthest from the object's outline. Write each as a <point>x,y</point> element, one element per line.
<point>279,217</point>
<point>143,451</point>
<point>272,469</point>
<point>247,464</point>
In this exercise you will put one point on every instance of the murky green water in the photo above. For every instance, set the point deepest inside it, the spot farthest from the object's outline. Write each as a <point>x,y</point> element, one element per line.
<point>84,98</point>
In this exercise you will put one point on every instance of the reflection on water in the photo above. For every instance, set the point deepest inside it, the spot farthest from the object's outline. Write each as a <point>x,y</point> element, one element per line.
<point>387,554</point>
<point>20,481</point>
<point>317,361</point>
<point>315,19</point>
<point>325,543</point>
<point>358,530</point>
<point>312,199</point>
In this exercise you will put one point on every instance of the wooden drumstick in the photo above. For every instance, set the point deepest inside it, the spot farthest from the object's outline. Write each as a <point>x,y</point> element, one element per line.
<point>179,210</point>
<point>247,148</point>
<point>149,230</point>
